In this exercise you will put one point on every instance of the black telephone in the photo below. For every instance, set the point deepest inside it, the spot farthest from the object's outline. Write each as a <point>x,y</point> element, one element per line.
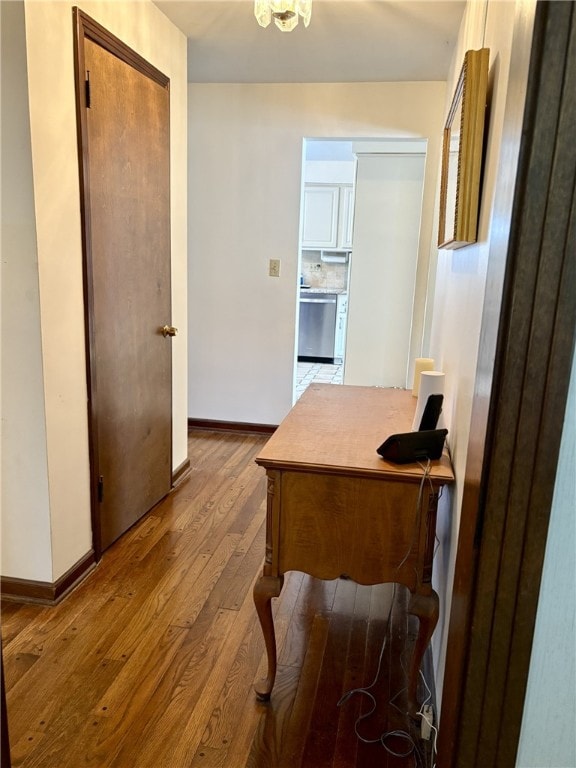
<point>409,447</point>
<point>426,443</point>
<point>431,413</point>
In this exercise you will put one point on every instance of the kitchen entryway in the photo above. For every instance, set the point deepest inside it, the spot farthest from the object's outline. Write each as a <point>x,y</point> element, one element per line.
<point>317,373</point>
<point>324,261</point>
<point>360,226</point>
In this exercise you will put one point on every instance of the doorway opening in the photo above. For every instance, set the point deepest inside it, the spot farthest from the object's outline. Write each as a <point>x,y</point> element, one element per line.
<point>326,222</point>
<point>359,255</point>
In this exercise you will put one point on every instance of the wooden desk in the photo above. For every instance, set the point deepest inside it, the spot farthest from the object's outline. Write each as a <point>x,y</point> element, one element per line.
<point>336,508</point>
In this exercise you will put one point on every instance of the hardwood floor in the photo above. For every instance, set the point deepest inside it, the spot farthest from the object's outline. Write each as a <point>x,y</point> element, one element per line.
<point>151,661</point>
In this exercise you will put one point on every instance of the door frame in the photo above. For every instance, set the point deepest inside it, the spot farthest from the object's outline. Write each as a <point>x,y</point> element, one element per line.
<point>525,357</point>
<point>87,28</point>
<point>373,145</point>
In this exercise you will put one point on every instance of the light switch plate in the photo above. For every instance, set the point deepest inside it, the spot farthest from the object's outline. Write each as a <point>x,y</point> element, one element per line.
<point>274,268</point>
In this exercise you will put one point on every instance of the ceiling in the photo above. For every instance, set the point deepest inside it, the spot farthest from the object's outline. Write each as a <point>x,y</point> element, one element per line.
<point>347,41</point>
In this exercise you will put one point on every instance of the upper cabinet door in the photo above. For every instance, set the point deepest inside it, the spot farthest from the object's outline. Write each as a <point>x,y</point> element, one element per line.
<point>320,224</point>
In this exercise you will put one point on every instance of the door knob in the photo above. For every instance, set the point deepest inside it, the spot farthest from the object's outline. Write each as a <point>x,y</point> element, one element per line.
<point>169,330</point>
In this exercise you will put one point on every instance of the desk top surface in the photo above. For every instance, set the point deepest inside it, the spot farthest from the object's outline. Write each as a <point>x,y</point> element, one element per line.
<point>337,428</point>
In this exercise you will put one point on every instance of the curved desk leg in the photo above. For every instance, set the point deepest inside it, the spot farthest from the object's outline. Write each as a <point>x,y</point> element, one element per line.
<point>265,589</point>
<point>426,608</point>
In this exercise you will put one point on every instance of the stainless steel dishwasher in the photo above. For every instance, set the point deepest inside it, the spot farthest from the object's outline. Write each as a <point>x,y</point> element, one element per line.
<point>317,326</point>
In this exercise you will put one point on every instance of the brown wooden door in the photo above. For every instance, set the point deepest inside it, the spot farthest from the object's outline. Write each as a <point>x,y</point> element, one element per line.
<point>126,153</point>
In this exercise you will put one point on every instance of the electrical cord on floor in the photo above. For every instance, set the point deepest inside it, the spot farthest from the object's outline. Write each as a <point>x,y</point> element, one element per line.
<point>387,736</point>
<point>398,734</point>
<point>421,713</point>
<point>428,719</point>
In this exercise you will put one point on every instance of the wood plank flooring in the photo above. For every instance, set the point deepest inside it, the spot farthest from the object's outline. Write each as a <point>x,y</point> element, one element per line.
<point>150,662</point>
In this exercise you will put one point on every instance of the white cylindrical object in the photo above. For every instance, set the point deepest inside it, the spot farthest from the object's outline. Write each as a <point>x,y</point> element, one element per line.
<point>420,364</point>
<point>431,383</point>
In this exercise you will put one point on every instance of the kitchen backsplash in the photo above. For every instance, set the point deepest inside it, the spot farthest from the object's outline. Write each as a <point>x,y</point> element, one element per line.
<point>320,274</point>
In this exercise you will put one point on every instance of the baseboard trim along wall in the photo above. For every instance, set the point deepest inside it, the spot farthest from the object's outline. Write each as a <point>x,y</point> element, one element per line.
<point>46,592</point>
<point>231,426</point>
<point>180,472</point>
<point>50,593</point>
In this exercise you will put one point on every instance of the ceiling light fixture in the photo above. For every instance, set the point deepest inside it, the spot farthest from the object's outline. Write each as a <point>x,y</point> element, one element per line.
<point>284,12</point>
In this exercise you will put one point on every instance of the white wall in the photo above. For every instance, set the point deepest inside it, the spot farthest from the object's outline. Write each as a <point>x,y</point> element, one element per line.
<point>245,161</point>
<point>387,213</point>
<point>55,226</point>
<point>550,704</point>
<point>24,455</point>
<point>460,282</point>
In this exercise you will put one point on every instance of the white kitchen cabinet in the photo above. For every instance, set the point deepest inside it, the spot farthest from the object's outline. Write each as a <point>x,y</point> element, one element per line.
<point>328,217</point>
<point>346,215</point>
<point>340,333</point>
<point>320,221</point>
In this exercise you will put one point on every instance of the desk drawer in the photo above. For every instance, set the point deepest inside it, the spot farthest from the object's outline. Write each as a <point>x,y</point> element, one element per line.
<point>367,529</point>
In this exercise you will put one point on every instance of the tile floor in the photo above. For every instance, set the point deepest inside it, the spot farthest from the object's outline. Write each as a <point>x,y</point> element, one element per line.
<point>320,373</point>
